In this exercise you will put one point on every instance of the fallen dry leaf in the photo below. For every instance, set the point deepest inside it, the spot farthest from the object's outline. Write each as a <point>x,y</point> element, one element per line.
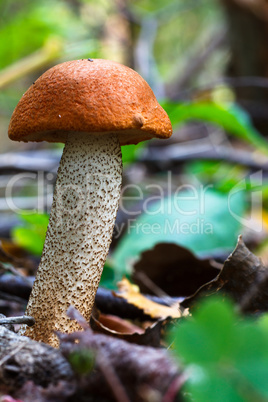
<point>173,269</point>
<point>9,253</point>
<point>12,254</point>
<point>118,325</point>
<point>243,277</point>
<point>132,294</point>
<point>122,329</point>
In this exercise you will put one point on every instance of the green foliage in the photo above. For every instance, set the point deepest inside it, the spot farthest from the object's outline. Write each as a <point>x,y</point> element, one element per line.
<point>229,116</point>
<point>226,357</point>
<point>82,361</point>
<point>32,25</point>
<point>176,42</point>
<point>129,152</point>
<point>31,235</point>
<point>108,277</point>
<point>200,220</point>
<point>223,176</point>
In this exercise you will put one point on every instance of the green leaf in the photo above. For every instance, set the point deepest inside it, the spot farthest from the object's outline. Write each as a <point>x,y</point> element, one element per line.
<point>31,236</point>
<point>129,152</point>
<point>37,220</point>
<point>30,26</point>
<point>225,356</point>
<point>82,361</point>
<point>207,386</point>
<point>108,277</point>
<point>251,355</point>
<point>202,221</point>
<point>230,117</point>
<point>209,336</point>
<point>28,239</point>
<point>223,176</point>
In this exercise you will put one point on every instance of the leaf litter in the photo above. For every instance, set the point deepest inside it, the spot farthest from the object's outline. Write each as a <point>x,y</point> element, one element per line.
<point>131,350</point>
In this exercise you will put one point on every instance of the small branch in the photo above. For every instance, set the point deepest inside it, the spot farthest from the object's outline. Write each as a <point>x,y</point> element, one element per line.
<point>173,154</point>
<point>102,360</point>
<point>111,377</point>
<point>11,298</point>
<point>15,272</point>
<point>18,320</point>
<point>14,288</point>
<point>235,82</point>
<point>196,64</point>
<point>153,287</point>
<point>12,353</point>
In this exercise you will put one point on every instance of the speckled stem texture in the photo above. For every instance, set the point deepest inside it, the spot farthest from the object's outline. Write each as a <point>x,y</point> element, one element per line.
<point>79,234</point>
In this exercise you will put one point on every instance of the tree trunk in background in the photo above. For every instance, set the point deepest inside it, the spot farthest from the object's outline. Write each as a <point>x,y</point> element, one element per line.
<point>117,40</point>
<point>248,40</point>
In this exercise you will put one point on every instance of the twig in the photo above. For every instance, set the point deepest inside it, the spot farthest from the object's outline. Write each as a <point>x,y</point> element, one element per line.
<point>144,55</point>
<point>12,286</point>
<point>102,360</point>
<point>11,298</point>
<point>196,64</point>
<point>30,161</point>
<point>111,377</point>
<point>187,152</point>
<point>235,82</point>
<point>154,288</point>
<point>174,388</point>
<point>16,285</point>
<point>12,353</point>
<point>18,320</point>
<point>14,271</point>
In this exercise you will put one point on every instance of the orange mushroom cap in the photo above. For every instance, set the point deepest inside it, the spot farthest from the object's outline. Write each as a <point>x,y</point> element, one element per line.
<point>95,96</point>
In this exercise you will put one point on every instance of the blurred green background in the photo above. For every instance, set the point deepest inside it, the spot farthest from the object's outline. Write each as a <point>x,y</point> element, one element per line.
<point>159,39</point>
<point>207,62</point>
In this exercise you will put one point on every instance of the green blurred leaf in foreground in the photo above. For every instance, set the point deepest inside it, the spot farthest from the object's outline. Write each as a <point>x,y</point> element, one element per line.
<point>203,222</point>
<point>230,117</point>
<point>226,357</point>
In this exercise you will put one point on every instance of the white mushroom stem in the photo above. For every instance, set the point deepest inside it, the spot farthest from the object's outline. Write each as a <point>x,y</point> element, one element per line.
<point>79,234</point>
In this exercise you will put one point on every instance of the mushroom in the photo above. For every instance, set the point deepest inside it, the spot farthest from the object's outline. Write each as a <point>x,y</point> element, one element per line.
<point>93,106</point>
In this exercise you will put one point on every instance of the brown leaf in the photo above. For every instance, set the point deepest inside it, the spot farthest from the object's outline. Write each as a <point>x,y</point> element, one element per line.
<point>132,294</point>
<point>118,325</point>
<point>173,269</point>
<point>243,277</point>
<point>122,329</point>
<point>7,254</point>
<point>12,254</point>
